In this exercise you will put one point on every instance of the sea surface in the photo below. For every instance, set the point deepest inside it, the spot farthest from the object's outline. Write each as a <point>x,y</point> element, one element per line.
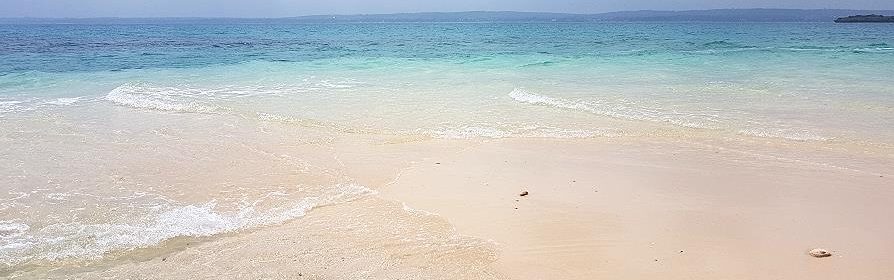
<point>122,137</point>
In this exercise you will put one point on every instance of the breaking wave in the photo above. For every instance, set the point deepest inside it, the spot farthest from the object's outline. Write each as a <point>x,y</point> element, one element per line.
<point>619,110</point>
<point>158,98</point>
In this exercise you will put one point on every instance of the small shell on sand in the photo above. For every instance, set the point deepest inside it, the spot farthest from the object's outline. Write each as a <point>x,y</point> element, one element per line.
<point>820,253</point>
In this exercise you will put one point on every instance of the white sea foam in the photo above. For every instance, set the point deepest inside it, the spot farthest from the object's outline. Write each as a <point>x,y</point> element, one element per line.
<point>620,109</point>
<point>468,132</point>
<point>874,50</point>
<point>277,118</point>
<point>33,104</point>
<point>789,134</point>
<point>20,244</point>
<point>552,132</point>
<point>630,112</point>
<point>65,101</point>
<point>529,131</point>
<point>195,99</point>
<point>159,98</point>
<point>10,229</point>
<point>10,106</point>
<point>326,84</point>
<point>9,103</point>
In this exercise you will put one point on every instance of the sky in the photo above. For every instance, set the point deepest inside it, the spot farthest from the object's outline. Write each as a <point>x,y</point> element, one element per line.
<point>286,8</point>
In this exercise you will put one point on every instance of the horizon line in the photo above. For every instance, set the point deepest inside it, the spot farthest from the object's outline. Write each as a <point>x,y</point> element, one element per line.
<point>439,12</point>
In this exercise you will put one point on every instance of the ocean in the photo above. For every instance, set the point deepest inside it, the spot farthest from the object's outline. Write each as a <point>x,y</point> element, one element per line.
<point>120,138</point>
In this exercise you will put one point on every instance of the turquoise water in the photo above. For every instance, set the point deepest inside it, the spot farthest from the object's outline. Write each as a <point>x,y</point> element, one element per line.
<point>114,135</point>
<point>796,81</point>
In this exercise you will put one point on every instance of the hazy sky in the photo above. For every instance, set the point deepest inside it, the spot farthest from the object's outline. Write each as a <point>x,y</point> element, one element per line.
<point>284,8</point>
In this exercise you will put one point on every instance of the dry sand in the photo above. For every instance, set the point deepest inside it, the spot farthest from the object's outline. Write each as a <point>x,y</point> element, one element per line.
<point>600,210</point>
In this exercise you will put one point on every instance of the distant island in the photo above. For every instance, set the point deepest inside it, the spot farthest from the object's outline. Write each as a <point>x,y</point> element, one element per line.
<point>865,18</point>
<point>718,15</point>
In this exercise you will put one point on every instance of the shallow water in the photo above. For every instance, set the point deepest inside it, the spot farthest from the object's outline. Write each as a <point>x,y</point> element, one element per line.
<point>117,137</point>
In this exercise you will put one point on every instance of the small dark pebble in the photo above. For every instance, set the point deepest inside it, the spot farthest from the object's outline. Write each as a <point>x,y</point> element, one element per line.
<point>516,208</point>
<point>656,260</point>
<point>437,163</point>
<point>524,193</point>
<point>681,251</point>
<point>164,259</point>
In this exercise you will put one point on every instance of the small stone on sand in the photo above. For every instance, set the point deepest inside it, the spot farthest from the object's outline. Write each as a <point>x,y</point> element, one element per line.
<point>820,253</point>
<point>524,193</point>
